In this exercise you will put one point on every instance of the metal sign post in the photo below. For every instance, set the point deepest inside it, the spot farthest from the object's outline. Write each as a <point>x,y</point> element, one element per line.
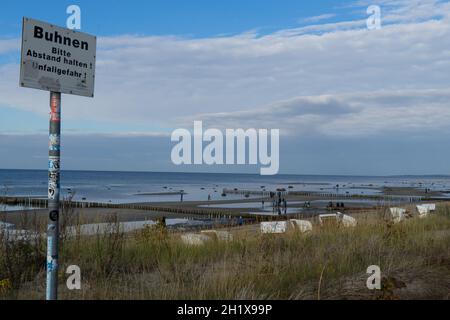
<point>58,60</point>
<point>54,189</point>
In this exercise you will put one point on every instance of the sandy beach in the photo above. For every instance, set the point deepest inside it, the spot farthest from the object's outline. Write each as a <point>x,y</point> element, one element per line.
<point>250,208</point>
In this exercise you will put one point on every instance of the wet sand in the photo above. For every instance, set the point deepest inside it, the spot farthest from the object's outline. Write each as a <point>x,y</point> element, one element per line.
<point>410,192</point>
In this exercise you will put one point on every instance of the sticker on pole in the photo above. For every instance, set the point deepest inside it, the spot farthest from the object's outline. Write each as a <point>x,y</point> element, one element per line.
<point>57,59</point>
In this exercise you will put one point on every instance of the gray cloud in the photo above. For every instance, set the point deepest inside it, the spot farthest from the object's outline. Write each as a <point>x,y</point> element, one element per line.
<point>355,114</point>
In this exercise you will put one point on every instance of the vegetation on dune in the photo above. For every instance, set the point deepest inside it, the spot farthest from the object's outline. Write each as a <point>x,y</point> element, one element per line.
<point>329,263</point>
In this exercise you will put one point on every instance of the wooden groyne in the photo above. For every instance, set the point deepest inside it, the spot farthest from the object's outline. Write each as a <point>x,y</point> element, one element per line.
<point>209,212</point>
<point>322,195</point>
<point>248,192</point>
<point>213,213</point>
<point>25,201</point>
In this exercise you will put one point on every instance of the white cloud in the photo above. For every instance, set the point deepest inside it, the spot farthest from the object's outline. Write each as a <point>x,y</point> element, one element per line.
<point>9,45</point>
<point>159,80</point>
<point>395,11</point>
<point>318,18</point>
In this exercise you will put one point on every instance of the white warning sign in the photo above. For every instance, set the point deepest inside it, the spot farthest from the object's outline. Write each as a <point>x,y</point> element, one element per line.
<point>57,59</point>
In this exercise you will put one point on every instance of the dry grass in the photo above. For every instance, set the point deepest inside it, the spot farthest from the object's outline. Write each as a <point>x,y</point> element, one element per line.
<point>329,263</point>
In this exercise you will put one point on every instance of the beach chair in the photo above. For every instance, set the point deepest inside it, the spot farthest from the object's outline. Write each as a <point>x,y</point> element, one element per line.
<point>302,225</point>
<point>398,214</point>
<point>328,219</point>
<point>348,221</point>
<point>337,219</point>
<point>423,211</point>
<point>274,227</point>
<point>430,206</point>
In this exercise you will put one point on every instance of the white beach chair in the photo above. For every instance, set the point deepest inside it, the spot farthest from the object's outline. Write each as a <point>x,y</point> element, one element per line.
<point>339,218</point>
<point>423,211</point>
<point>430,206</point>
<point>327,217</point>
<point>348,221</point>
<point>398,214</point>
<point>274,227</point>
<point>302,225</point>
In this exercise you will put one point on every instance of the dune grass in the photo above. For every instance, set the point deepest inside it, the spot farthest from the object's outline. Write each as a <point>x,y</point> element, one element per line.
<point>329,263</point>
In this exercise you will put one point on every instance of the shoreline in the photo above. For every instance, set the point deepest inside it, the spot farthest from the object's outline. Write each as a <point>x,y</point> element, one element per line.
<point>214,209</point>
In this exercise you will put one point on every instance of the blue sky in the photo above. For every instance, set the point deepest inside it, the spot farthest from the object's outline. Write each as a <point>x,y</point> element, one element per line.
<point>197,18</point>
<point>346,99</point>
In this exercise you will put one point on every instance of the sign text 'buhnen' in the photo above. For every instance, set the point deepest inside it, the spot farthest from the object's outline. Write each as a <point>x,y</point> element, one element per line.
<point>40,33</point>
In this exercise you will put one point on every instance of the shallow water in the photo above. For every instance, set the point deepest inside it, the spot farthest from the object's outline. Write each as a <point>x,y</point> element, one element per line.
<point>247,205</point>
<point>270,212</point>
<point>126,187</point>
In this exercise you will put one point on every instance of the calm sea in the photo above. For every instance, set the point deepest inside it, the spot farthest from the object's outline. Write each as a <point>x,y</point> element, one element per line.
<point>120,187</point>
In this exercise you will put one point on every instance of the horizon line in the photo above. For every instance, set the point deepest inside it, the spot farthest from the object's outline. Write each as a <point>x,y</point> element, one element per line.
<point>240,173</point>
